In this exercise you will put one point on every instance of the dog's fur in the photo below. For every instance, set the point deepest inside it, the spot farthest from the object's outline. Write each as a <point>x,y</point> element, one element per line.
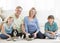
<point>14,31</point>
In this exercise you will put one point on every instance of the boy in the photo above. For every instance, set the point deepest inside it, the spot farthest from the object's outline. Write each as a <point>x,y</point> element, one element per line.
<point>51,28</point>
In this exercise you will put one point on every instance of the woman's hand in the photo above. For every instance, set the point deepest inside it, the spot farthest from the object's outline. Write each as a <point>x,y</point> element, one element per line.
<point>35,35</point>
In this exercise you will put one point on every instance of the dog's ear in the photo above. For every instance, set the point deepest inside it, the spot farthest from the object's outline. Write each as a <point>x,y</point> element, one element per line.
<point>17,31</point>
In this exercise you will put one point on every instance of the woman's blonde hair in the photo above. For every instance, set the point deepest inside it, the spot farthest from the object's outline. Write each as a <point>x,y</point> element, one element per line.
<point>31,10</point>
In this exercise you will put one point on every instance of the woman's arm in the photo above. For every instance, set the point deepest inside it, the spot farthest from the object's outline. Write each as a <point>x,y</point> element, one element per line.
<point>24,28</point>
<point>25,25</point>
<point>38,29</point>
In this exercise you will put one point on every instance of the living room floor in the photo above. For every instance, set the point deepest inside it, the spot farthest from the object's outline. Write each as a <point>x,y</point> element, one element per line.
<point>33,41</point>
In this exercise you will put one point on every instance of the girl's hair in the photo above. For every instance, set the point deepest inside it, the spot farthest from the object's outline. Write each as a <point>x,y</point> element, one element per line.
<point>31,10</point>
<point>8,19</point>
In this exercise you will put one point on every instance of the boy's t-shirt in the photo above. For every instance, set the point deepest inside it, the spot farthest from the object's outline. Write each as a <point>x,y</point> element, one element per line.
<point>52,27</point>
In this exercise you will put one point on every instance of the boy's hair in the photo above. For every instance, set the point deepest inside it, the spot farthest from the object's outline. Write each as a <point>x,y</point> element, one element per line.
<point>50,17</point>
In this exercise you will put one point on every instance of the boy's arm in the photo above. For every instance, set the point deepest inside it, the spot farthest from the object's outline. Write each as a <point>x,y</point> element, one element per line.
<point>46,28</point>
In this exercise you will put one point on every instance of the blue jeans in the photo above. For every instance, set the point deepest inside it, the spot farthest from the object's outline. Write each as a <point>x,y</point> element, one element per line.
<point>49,35</point>
<point>39,35</point>
<point>2,36</point>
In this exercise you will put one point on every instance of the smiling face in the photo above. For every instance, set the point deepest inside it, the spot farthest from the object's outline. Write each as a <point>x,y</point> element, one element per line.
<point>32,12</point>
<point>50,21</point>
<point>18,10</point>
<point>10,20</point>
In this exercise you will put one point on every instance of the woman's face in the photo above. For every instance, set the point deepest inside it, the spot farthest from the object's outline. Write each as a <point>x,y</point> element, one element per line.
<point>10,20</point>
<point>32,12</point>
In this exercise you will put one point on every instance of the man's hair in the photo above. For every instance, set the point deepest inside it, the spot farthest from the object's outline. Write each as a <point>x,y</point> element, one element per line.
<point>18,7</point>
<point>50,17</point>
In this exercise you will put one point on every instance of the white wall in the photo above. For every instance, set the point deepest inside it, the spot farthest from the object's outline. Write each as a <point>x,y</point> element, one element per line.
<point>44,8</point>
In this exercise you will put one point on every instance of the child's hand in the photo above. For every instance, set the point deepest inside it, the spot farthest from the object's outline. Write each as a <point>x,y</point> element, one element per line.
<point>53,33</point>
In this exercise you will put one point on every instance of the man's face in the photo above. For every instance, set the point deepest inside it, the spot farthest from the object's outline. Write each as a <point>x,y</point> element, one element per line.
<point>50,21</point>
<point>18,11</point>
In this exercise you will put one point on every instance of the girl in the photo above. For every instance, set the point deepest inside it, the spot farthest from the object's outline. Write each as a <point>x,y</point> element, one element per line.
<point>7,29</point>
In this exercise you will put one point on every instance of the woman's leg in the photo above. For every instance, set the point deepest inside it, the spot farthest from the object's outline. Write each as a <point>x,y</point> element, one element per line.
<point>40,35</point>
<point>2,36</point>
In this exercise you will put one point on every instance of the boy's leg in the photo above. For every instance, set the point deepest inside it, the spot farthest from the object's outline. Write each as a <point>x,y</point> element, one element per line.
<point>49,36</point>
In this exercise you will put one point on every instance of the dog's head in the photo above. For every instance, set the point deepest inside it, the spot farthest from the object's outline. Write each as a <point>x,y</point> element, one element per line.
<point>15,32</point>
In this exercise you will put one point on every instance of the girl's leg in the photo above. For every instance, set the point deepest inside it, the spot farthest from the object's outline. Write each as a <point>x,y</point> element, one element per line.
<point>2,36</point>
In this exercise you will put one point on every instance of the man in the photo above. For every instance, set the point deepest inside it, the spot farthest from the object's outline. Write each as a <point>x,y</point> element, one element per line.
<point>18,20</point>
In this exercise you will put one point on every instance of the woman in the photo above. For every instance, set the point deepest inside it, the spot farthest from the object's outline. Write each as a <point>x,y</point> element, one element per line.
<point>7,29</point>
<point>32,29</point>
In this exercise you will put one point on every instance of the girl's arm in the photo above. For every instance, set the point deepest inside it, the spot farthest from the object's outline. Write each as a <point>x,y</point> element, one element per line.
<point>3,31</point>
